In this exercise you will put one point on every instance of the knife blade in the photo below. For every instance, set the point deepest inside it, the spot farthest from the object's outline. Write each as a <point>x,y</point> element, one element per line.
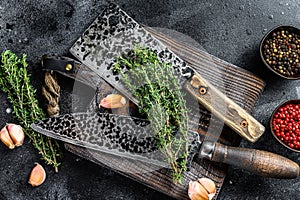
<point>114,33</point>
<point>119,135</point>
<point>132,138</point>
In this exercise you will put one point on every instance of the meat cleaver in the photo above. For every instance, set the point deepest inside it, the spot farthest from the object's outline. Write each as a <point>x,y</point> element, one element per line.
<point>114,33</point>
<point>131,138</point>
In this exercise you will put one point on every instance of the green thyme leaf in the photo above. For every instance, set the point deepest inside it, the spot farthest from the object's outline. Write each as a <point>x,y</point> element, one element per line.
<point>161,101</point>
<point>15,81</point>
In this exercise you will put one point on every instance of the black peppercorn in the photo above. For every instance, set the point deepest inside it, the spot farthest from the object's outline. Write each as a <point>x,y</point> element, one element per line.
<point>281,50</point>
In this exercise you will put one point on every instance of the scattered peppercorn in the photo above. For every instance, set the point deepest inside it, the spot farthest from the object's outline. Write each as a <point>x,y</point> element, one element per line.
<point>286,125</point>
<point>281,50</point>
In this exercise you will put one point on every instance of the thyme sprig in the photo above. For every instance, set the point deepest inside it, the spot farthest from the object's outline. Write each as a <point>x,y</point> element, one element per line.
<point>15,81</point>
<point>161,101</point>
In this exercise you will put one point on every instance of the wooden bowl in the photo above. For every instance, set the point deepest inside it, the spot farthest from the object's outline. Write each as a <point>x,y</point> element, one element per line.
<point>269,35</point>
<point>296,101</point>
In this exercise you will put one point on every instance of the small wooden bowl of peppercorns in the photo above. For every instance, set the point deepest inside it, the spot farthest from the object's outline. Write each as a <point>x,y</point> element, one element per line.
<point>280,51</point>
<point>285,124</point>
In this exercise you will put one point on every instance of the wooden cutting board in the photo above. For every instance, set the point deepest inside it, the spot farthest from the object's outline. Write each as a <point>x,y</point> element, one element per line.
<point>240,85</point>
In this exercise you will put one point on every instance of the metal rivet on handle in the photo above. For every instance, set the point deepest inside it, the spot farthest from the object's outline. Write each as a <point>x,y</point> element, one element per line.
<point>244,123</point>
<point>69,67</point>
<point>202,90</point>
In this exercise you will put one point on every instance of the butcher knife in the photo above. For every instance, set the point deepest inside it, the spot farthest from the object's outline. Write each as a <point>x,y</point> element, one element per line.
<point>114,33</point>
<point>131,138</point>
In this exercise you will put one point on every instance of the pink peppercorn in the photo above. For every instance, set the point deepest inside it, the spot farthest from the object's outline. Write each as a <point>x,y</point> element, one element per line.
<point>286,125</point>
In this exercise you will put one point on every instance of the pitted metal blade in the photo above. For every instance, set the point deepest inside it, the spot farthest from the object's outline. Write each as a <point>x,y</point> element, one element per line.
<point>113,34</point>
<point>119,135</point>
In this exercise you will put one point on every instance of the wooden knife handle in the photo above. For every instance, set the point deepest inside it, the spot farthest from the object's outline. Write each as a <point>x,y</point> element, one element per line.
<point>224,108</point>
<point>259,162</point>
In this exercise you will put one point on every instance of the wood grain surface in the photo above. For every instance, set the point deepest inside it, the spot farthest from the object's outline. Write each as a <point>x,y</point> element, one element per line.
<point>259,162</point>
<point>241,86</point>
<point>224,108</point>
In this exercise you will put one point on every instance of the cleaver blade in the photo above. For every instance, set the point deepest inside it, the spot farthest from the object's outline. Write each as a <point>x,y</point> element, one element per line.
<point>123,136</point>
<point>132,138</point>
<point>114,33</point>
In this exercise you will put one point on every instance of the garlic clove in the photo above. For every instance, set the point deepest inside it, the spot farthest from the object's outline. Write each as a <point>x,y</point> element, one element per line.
<point>6,139</point>
<point>16,133</point>
<point>209,185</point>
<point>113,101</point>
<point>37,175</point>
<point>196,191</point>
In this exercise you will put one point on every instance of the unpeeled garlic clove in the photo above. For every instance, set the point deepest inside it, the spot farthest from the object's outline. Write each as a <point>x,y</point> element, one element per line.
<point>209,185</point>
<point>196,191</point>
<point>113,101</point>
<point>37,175</point>
<point>16,133</point>
<point>6,139</point>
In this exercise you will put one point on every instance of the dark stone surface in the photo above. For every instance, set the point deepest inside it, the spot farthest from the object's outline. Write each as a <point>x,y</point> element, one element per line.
<point>230,30</point>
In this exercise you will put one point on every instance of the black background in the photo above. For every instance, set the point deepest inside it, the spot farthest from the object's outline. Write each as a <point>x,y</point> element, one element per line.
<point>230,30</point>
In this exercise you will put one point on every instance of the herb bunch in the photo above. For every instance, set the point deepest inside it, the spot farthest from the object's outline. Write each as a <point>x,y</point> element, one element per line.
<point>161,101</point>
<point>15,81</point>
